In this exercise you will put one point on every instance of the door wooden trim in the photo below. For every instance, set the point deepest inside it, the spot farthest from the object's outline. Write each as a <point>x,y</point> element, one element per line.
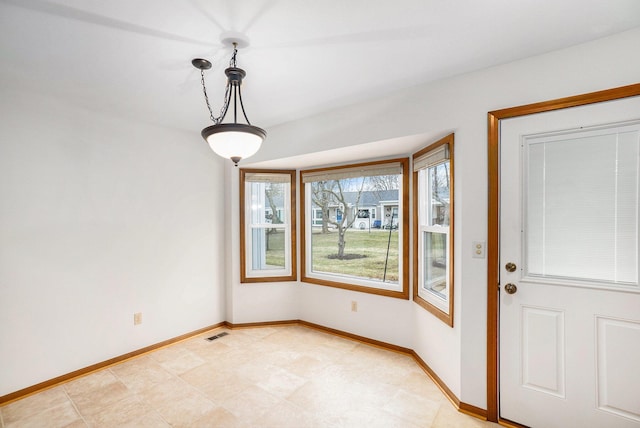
<point>493,231</point>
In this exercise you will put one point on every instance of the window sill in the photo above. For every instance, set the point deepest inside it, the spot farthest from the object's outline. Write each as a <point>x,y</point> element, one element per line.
<point>403,293</point>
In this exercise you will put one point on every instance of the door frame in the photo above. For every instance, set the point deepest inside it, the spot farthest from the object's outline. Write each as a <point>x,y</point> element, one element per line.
<point>493,229</point>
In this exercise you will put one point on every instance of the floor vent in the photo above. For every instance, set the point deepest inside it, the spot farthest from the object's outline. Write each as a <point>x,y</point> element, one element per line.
<point>217,336</point>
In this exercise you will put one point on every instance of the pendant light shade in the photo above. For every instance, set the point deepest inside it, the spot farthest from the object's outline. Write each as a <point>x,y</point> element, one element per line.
<point>233,140</point>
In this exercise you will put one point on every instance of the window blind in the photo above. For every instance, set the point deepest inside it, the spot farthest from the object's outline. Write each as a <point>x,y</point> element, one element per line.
<point>393,168</point>
<point>266,177</point>
<point>432,158</point>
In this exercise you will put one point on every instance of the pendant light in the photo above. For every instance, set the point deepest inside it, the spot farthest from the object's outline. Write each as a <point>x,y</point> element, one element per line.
<point>230,140</point>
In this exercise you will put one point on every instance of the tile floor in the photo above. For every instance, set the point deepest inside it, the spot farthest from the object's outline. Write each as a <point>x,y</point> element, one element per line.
<point>289,376</point>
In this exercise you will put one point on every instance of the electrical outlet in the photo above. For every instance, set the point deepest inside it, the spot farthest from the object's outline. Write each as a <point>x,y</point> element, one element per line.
<point>354,306</point>
<point>137,318</point>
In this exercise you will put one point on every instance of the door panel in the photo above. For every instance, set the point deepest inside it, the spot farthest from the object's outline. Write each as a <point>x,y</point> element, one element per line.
<point>570,333</point>
<point>543,350</point>
<point>613,393</point>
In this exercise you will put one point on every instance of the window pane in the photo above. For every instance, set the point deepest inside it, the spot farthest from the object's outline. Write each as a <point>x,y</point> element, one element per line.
<point>435,263</point>
<point>268,203</point>
<point>268,249</point>
<point>345,238</point>
<point>438,203</point>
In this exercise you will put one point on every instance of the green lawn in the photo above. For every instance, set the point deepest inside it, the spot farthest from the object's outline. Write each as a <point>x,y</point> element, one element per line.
<point>275,247</point>
<point>372,245</point>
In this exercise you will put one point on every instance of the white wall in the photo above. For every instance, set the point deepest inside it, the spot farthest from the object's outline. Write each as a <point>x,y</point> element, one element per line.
<point>252,302</point>
<point>458,104</point>
<point>101,218</point>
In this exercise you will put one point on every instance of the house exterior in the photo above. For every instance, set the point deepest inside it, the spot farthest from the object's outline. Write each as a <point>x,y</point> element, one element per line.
<point>376,209</point>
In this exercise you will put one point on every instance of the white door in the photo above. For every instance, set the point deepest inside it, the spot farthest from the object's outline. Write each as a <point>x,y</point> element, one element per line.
<point>570,329</point>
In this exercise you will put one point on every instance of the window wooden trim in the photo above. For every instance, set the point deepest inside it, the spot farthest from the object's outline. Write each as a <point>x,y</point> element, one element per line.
<point>403,293</point>
<point>293,225</point>
<point>447,318</point>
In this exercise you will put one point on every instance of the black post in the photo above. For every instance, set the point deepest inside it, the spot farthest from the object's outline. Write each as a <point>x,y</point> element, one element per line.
<point>386,260</point>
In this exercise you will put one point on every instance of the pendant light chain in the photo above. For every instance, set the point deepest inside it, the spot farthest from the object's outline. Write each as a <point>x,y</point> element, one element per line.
<point>225,105</point>
<point>227,92</point>
<point>232,61</point>
<point>206,97</point>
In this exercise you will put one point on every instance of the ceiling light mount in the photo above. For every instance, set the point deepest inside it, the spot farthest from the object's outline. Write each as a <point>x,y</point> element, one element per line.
<point>201,64</point>
<point>234,39</point>
<point>232,140</point>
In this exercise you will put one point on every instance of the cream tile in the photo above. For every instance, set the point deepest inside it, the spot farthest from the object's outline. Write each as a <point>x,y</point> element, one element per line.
<point>166,392</point>
<point>331,398</point>
<point>255,370</point>
<point>260,332</point>
<point>335,375</point>
<point>58,416</point>
<point>280,356</point>
<point>371,356</point>
<point>177,360</point>
<point>218,418</point>
<point>364,417</point>
<point>90,382</point>
<point>413,408</point>
<point>119,413</point>
<point>77,424</point>
<point>280,382</point>
<point>33,404</point>
<point>140,373</point>
<point>150,420</point>
<point>215,384</point>
<point>251,404</point>
<point>264,348</point>
<point>287,415</point>
<point>233,359</point>
<point>419,384</point>
<point>167,353</point>
<point>286,336</point>
<point>305,366</point>
<point>96,399</point>
<point>185,410</point>
<point>324,352</point>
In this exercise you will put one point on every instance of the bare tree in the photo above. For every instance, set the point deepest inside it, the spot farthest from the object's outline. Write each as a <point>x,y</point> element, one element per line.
<point>385,182</point>
<point>271,192</point>
<point>440,190</point>
<point>321,192</point>
<point>332,192</point>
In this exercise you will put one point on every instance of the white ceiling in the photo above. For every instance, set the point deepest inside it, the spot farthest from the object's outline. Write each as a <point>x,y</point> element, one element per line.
<point>132,57</point>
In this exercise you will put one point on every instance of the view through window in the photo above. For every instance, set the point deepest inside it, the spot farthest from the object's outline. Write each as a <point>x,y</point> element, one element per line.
<point>354,225</point>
